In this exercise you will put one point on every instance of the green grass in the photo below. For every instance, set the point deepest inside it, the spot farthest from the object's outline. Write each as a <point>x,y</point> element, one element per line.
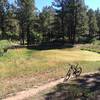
<point>94,46</point>
<point>21,69</point>
<point>96,42</point>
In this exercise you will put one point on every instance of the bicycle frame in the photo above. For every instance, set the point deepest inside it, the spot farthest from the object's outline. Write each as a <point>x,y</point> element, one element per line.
<point>73,70</point>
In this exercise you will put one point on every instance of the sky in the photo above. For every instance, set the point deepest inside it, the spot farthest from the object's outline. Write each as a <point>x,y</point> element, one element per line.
<point>94,4</point>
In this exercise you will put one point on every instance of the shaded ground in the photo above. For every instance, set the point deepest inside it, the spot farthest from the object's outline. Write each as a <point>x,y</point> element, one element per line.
<point>84,88</point>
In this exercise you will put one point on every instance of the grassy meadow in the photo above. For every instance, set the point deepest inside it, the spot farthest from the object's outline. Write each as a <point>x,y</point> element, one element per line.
<point>21,69</point>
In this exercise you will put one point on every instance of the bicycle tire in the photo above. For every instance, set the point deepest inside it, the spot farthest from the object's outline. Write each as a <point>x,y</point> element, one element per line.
<point>68,75</point>
<point>78,72</point>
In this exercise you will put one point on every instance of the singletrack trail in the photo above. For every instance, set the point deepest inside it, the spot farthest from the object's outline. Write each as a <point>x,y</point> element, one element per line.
<point>31,92</point>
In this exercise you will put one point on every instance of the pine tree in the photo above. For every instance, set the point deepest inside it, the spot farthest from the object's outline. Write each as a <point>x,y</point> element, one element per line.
<point>93,28</point>
<point>11,24</point>
<point>82,19</point>
<point>25,15</point>
<point>46,21</point>
<point>59,6</point>
<point>76,18</point>
<point>4,6</point>
<point>98,20</point>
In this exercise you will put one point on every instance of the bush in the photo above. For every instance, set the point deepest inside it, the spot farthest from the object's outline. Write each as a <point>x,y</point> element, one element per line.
<point>85,39</point>
<point>4,44</point>
<point>36,38</point>
<point>96,42</point>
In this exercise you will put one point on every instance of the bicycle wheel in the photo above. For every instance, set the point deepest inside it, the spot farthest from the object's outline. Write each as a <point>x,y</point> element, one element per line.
<point>78,72</point>
<point>67,76</point>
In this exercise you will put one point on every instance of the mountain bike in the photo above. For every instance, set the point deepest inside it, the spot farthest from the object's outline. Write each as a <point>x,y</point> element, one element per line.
<point>74,70</point>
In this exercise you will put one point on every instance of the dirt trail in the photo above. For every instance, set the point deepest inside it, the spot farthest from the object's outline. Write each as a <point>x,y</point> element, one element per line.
<point>31,92</point>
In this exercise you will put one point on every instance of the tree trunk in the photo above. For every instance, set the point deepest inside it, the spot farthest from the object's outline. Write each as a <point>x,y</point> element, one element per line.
<point>22,35</point>
<point>62,20</point>
<point>22,38</point>
<point>2,27</point>
<point>28,35</point>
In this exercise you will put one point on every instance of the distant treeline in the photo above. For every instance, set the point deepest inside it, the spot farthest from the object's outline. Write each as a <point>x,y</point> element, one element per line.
<point>65,20</point>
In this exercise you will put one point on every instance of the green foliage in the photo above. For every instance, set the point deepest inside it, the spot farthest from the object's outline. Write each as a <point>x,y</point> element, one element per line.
<point>4,6</point>
<point>66,19</point>
<point>4,44</point>
<point>60,16</point>
<point>85,39</point>
<point>25,15</point>
<point>94,47</point>
<point>96,42</point>
<point>93,27</point>
<point>81,19</point>
<point>36,37</point>
<point>77,19</point>
<point>97,13</point>
<point>46,18</point>
<point>12,27</point>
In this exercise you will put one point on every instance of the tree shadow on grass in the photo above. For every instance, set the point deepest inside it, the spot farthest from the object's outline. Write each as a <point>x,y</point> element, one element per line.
<point>84,88</point>
<point>50,46</point>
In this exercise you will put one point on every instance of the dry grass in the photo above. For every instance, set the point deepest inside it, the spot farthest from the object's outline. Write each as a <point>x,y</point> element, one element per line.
<point>22,69</point>
<point>68,55</point>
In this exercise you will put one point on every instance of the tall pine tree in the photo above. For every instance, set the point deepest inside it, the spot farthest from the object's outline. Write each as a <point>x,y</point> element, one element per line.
<point>4,6</point>
<point>59,6</point>
<point>93,28</point>
<point>25,15</point>
<point>76,18</point>
<point>98,20</point>
<point>46,21</point>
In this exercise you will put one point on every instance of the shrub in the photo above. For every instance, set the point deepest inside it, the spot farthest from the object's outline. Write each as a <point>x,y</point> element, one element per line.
<point>36,37</point>
<point>4,44</point>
